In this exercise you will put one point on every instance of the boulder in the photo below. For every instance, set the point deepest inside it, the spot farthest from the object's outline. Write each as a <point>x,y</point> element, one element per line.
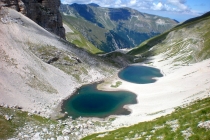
<point>205,125</point>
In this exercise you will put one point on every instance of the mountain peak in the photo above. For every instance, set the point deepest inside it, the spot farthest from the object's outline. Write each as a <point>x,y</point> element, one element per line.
<point>90,4</point>
<point>94,4</point>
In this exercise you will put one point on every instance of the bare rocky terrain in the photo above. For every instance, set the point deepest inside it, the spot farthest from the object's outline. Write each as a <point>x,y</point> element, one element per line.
<point>38,69</point>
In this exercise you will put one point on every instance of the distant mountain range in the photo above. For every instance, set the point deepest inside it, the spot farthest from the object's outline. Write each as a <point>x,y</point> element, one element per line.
<point>110,29</point>
<point>188,42</point>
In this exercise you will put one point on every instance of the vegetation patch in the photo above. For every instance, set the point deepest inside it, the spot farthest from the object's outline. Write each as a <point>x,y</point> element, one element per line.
<point>185,43</point>
<point>79,40</point>
<point>18,119</point>
<point>65,61</point>
<point>118,83</point>
<point>183,123</point>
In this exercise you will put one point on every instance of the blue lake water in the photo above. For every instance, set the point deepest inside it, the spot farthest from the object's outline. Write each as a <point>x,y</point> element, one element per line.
<point>139,74</point>
<point>88,101</point>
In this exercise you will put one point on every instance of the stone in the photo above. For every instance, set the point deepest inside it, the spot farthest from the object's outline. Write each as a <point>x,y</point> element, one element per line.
<point>205,125</point>
<point>66,131</point>
<point>77,133</point>
<point>78,60</point>
<point>44,130</point>
<point>66,137</point>
<point>29,114</point>
<point>60,138</point>
<point>51,60</point>
<point>37,136</point>
<point>7,117</point>
<point>18,107</point>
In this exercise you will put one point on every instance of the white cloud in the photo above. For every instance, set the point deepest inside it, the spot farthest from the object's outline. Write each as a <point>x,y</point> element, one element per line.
<point>157,5</point>
<point>180,4</point>
<point>133,2</point>
<point>118,2</point>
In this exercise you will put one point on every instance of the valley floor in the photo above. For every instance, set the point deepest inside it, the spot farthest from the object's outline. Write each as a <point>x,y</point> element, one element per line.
<point>179,86</point>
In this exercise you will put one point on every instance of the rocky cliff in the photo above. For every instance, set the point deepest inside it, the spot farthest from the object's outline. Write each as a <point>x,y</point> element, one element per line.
<point>18,5</point>
<point>43,12</point>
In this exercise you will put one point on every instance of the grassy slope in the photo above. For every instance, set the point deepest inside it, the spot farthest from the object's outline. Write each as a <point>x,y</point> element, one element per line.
<point>19,119</point>
<point>193,33</point>
<point>95,32</point>
<point>78,39</point>
<point>130,27</point>
<point>173,126</point>
<point>101,38</point>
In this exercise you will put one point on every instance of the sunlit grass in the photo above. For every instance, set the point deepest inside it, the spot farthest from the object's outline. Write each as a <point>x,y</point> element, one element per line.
<point>173,126</point>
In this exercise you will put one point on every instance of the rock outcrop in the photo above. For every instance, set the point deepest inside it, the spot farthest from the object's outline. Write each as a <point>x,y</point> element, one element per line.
<point>43,12</point>
<point>18,5</point>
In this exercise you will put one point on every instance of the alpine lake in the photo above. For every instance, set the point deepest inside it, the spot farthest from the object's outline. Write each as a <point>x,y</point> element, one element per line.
<point>88,101</point>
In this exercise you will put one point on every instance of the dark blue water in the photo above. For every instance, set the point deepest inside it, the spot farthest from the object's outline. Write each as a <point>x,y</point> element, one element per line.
<point>139,74</point>
<point>90,102</point>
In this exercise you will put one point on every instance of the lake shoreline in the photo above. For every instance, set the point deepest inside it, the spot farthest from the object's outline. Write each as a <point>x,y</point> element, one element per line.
<point>117,109</point>
<point>152,101</point>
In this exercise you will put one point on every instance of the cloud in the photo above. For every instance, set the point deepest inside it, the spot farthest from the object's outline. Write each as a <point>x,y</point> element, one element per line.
<point>118,2</point>
<point>160,6</point>
<point>178,6</point>
<point>132,2</point>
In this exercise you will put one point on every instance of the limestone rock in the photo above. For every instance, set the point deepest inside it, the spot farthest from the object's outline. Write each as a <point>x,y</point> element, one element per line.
<point>18,5</point>
<point>43,12</point>
<point>205,125</point>
<point>66,131</point>
<point>7,117</point>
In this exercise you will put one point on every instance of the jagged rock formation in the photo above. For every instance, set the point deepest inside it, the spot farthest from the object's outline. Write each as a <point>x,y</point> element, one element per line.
<point>18,5</point>
<point>43,12</point>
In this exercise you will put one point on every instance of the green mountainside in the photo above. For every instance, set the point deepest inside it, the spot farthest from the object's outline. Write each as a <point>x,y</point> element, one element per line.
<point>189,40</point>
<point>184,123</point>
<point>186,43</point>
<point>77,38</point>
<point>110,29</point>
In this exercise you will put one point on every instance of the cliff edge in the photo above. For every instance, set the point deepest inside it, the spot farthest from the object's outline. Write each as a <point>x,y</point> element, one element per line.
<point>43,12</point>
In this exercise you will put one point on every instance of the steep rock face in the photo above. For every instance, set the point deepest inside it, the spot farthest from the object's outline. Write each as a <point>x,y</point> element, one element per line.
<point>18,5</point>
<point>44,12</point>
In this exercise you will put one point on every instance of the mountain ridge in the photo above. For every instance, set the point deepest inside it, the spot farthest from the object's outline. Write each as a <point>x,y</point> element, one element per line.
<point>120,27</point>
<point>189,37</point>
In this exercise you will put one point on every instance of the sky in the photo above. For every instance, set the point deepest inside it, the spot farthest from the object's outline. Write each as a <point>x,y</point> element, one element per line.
<point>179,10</point>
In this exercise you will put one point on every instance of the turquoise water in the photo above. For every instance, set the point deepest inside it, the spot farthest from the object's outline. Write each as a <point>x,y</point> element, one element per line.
<point>90,102</point>
<point>139,74</point>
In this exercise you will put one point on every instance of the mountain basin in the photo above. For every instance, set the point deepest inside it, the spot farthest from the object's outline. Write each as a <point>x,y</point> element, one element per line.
<point>88,101</point>
<point>139,74</point>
